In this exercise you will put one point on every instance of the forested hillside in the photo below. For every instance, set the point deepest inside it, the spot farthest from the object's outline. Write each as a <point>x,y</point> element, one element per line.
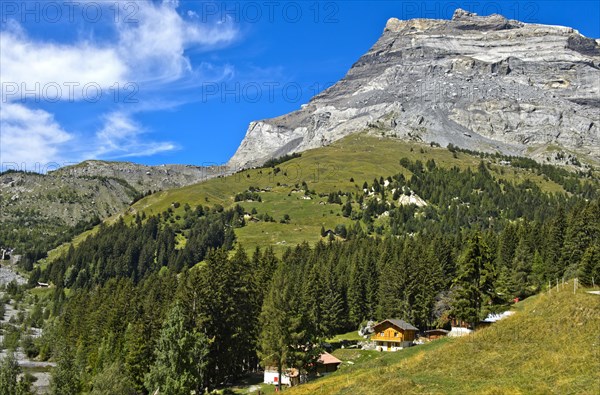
<point>177,299</point>
<point>40,211</point>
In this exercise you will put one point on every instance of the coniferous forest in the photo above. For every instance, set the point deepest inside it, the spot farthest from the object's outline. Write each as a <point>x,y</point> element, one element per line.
<point>181,305</point>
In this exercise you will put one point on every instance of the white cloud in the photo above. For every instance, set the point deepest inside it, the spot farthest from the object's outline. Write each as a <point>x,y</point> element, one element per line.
<point>155,47</point>
<point>27,62</point>
<point>121,137</point>
<point>30,136</point>
<point>151,52</point>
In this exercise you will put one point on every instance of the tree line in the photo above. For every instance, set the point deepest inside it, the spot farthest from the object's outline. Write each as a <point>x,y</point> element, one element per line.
<point>144,311</point>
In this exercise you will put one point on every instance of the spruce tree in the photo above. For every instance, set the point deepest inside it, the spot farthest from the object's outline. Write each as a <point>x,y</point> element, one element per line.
<point>10,384</point>
<point>474,283</point>
<point>65,376</point>
<point>181,353</point>
<point>522,268</point>
<point>275,338</point>
<point>138,353</point>
<point>589,270</point>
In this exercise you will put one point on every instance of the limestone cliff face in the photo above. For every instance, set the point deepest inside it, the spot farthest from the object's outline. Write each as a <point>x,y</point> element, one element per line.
<point>483,83</point>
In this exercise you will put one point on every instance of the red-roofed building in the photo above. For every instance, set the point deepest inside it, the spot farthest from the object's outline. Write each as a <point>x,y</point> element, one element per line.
<point>327,363</point>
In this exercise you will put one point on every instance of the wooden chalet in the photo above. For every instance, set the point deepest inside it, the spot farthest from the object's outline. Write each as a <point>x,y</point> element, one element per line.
<point>393,335</point>
<point>434,334</point>
<point>327,363</point>
<point>457,323</point>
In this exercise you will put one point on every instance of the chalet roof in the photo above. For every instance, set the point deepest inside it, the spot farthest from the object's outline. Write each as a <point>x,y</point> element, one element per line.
<point>398,323</point>
<point>328,359</point>
<point>437,330</point>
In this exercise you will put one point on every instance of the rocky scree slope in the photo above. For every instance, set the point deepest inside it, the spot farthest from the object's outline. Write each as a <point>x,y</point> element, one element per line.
<point>482,83</point>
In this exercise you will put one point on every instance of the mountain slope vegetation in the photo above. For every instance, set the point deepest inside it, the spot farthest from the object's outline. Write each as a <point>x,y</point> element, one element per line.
<point>301,186</point>
<point>410,231</point>
<point>550,345</point>
<point>40,211</point>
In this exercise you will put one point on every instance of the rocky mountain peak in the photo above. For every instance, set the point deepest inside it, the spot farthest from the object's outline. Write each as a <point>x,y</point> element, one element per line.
<point>459,13</point>
<point>484,83</point>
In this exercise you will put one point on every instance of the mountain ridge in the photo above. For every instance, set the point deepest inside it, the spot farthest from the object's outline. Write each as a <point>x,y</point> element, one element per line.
<point>37,207</point>
<point>484,83</point>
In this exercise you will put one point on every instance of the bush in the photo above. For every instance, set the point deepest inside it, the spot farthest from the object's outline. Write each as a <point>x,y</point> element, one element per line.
<point>11,339</point>
<point>29,347</point>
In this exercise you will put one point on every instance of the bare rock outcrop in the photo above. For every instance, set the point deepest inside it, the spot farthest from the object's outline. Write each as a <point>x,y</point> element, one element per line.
<point>485,83</point>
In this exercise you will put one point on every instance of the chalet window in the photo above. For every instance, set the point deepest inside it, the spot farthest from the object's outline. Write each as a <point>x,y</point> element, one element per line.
<point>382,334</point>
<point>395,334</point>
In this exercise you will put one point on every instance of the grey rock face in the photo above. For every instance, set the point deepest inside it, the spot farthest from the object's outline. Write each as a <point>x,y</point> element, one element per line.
<point>482,83</point>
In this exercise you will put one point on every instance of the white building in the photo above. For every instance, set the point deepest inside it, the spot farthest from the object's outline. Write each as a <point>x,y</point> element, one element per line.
<point>290,377</point>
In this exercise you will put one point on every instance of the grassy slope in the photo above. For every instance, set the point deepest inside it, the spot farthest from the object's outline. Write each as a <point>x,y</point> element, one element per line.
<point>551,345</point>
<point>359,157</point>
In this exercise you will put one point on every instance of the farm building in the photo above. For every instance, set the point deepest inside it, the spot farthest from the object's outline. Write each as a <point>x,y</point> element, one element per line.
<point>434,334</point>
<point>393,335</point>
<point>289,377</point>
<point>327,363</point>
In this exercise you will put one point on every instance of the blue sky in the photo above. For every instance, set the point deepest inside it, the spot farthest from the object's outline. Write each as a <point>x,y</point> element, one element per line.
<point>181,80</point>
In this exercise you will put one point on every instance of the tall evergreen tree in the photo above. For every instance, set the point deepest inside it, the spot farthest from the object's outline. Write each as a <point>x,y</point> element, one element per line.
<point>10,384</point>
<point>521,267</point>
<point>65,376</point>
<point>287,339</point>
<point>181,353</point>
<point>589,270</point>
<point>474,282</point>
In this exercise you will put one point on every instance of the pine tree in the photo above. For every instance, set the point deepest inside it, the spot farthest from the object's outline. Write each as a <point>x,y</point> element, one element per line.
<point>138,353</point>
<point>265,267</point>
<point>582,231</point>
<point>10,384</point>
<point>553,244</point>
<point>392,283</point>
<point>275,339</point>
<point>324,300</point>
<point>245,309</point>
<point>507,245</point>
<point>287,338</point>
<point>589,270</point>
<point>181,354</point>
<point>521,268</point>
<point>357,292</point>
<point>347,209</point>
<point>65,376</point>
<point>313,292</point>
<point>474,281</point>
<point>428,282</point>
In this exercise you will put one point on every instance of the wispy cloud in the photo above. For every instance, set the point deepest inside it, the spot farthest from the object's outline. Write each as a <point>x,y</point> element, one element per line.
<point>150,53</point>
<point>30,64</point>
<point>122,137</point>
<point>154,48</point>
<point>30,137</point>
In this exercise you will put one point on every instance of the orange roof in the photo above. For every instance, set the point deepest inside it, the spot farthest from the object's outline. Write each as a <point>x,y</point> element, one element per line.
<point>327,359</point>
